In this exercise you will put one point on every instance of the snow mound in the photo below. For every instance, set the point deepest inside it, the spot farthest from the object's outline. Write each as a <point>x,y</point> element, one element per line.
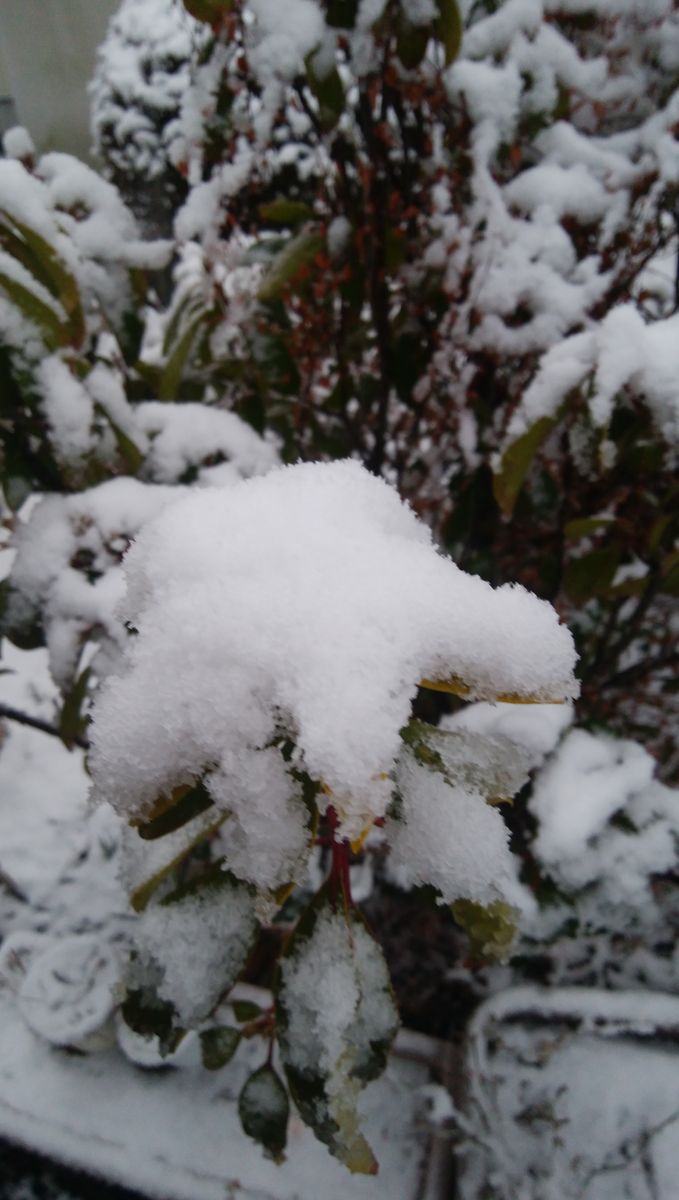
<point>309,602</point>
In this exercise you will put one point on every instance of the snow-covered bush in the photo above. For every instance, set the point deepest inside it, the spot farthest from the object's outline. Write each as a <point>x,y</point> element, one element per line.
<point>435,238</point>
<point>141,76</point>
<point>280,630</point>
<point>440,238</point>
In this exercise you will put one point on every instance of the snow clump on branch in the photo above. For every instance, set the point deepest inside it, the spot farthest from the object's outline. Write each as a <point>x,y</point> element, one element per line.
<point>301,607</point>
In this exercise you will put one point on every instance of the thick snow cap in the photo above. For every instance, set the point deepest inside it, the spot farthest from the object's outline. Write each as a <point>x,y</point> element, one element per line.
<point>312,601</point>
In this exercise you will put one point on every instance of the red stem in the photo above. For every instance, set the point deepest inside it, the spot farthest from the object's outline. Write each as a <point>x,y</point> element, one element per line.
<point>339,877</point>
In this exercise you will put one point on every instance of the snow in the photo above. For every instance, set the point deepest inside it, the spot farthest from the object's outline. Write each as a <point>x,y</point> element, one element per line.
<point>199,945</point>
<point>592,779</point>
<point>67,993</point>
<point>335,994</point>
<point>140,79</point>
<point>310,597</point>
<point>67,570</point>
<point>448,837</point>
<point>176,1134</point>
<point>572,1097</point>
<point>18,143</point>
<point>183,436</point>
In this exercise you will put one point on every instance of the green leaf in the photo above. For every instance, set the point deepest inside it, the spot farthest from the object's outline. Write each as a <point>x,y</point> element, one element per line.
<point>285,212</point>
<point>411,43</point>
<point>264,1109</point>
<point>341,14</point>
<point>172,812</point>
<point>448,27</point>
<point>516,463</point>
<point>129,450</point>
<point>491,765</point>
<point>325,1081</point>
<point>215,911</point>
<point>71,721</point>
<point>48,268</point>
<point>295,257</point>
<point>208,11</point>
<point>218,1046</point>
<point>245,1010</point>
<point>584,526</point>
<point>670,574</point>
<point>173,370</point>
<point>149,1016</point>
<point>140,896</point>
<point>491,928</point>
<point>35,309</point>
<point>329,92</point>
<point>591,574</point>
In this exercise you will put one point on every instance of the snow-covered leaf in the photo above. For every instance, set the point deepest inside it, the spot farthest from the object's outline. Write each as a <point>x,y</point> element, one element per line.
<point>218,1046</point>
<point>336,1019</point>
<point>264,1108</point>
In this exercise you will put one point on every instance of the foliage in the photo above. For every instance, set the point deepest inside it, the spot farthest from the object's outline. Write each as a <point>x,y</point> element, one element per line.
<point>429,236</point>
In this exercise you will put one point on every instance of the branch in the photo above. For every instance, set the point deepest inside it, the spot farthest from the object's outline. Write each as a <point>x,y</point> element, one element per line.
<point>22,718</point>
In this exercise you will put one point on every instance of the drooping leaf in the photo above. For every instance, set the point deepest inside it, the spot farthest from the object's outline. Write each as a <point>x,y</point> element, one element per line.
<point>173,370</point>
<point>71,720</point>
<point>264,1109</point>
<point>448,27</point>
<point>45,263</point>
<point>329,92</point>
<point>49,323</point>
<point>218,1046</point>
<point>329,1055</point>
<point>411,43</point>
<point>516,463</point>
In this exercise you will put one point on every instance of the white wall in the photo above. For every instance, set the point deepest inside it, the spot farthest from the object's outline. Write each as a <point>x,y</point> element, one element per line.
<point>47,51</point>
